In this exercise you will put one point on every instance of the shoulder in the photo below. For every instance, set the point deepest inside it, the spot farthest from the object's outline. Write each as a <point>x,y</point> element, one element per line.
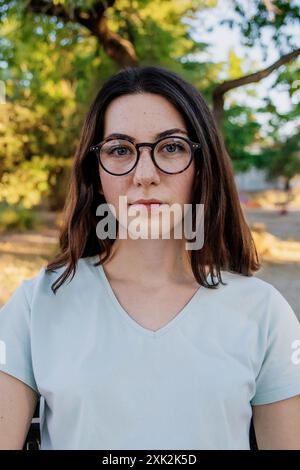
<point>250,285</point>
<point>246,282</point>
<point>257,297</point>
<point>41,284</point>
<point>238,286</point>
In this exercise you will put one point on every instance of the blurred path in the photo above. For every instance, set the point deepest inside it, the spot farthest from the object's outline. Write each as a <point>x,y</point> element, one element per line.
<point>286,227</point>
<point>281,255</point>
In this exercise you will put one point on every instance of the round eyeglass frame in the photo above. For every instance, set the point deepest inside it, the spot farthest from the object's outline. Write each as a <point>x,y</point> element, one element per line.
<point>193,146</point>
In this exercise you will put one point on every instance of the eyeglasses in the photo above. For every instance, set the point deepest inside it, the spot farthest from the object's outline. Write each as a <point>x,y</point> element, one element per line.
<point>170,154</point>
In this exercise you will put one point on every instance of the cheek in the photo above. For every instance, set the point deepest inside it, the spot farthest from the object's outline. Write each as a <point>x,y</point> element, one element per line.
<point>182,186</point>
<point>113,187</point>
<point>109,185</point>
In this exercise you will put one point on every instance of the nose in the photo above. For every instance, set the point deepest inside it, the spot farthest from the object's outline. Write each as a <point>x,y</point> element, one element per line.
<point>145,173</point>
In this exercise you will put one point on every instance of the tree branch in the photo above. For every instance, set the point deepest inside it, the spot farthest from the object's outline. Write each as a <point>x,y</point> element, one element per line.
<point>120,50</point>
<point>224,87</point>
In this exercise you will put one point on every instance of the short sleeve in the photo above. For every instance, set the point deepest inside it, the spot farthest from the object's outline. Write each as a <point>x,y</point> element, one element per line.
<point>15,340</point>
<point>279,375</point>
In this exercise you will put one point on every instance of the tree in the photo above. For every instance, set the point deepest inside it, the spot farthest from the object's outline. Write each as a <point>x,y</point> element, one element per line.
<point>275,16</point>
<point>117,24</point>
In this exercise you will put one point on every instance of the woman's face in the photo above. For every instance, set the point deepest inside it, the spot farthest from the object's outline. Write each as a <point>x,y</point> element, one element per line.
<point>143,116</point>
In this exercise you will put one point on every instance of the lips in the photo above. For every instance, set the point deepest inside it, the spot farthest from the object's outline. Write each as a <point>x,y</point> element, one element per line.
<point>147,202</point>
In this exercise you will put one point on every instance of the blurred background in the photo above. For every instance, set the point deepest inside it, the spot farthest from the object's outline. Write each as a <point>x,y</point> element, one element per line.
<point>243,55</point>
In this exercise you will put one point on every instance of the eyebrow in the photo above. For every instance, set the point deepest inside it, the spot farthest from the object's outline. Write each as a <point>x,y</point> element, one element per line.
<point>157,136</point>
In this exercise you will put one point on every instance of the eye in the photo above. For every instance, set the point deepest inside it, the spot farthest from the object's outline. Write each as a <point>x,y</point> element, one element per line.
<point>174,146</point>
<point>121,150</point>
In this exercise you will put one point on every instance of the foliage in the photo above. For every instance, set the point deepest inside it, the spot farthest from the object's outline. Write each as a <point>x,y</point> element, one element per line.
<point>241,130</point>
<point>32,181</point>
<point>16,218</point>
<point>285,159</point>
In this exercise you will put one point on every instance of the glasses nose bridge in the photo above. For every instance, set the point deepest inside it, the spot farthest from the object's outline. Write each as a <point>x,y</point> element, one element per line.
<point>145,144</point>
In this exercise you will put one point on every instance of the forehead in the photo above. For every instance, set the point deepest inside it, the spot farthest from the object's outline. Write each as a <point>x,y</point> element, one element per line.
<point>141,115</point>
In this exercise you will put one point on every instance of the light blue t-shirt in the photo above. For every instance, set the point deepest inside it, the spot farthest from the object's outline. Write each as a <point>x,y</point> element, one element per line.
<point>106,382</point>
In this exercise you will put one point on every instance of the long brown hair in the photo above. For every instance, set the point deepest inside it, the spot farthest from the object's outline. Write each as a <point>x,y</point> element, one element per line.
<point>228,243</point>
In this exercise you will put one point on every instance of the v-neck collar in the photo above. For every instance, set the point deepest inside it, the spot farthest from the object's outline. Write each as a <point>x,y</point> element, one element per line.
<point>188,308</point>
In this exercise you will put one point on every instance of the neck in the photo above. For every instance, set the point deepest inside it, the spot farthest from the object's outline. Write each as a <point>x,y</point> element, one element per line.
<point>150,262</point>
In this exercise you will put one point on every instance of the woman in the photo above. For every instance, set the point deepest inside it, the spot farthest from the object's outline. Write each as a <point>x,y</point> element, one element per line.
<point>145,342</point>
